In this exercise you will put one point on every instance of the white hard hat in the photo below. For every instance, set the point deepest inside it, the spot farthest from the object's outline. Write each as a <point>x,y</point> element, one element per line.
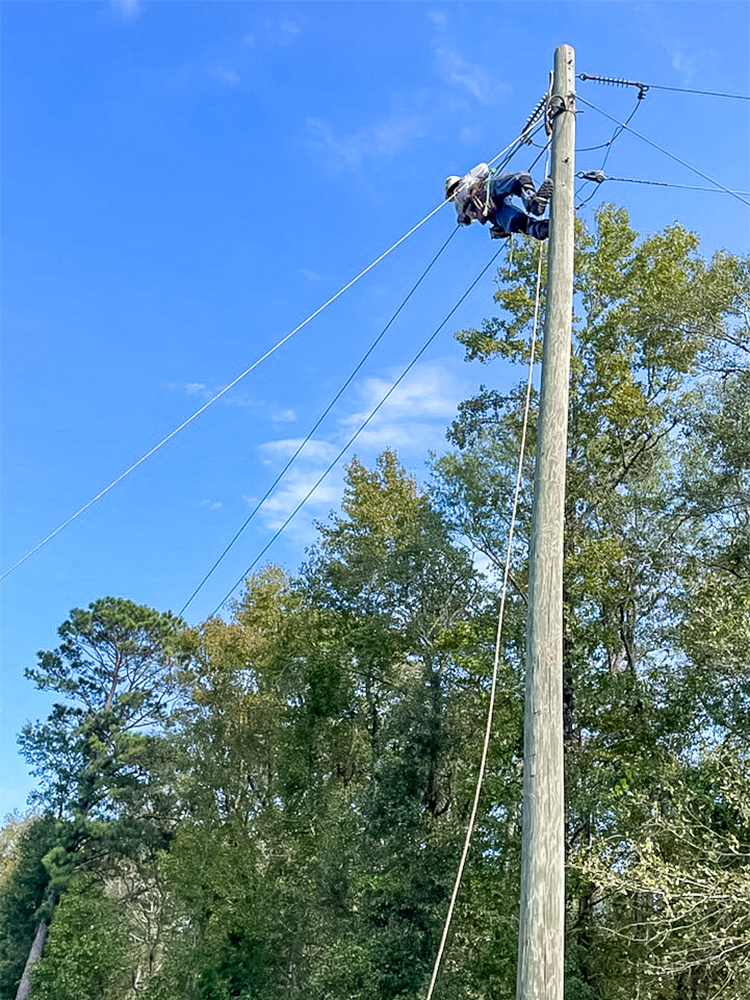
<point>451,183</point>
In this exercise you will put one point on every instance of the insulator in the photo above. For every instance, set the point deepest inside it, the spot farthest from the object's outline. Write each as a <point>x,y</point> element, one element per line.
<point>535,114</point>
<point>615,81</point>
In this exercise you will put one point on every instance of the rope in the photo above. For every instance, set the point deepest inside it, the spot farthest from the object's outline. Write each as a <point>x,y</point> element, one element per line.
<point>318,422</point>
<point>239,378</point>
<point>666,152</point>
<point>356,434</point>
<point>496,662</point>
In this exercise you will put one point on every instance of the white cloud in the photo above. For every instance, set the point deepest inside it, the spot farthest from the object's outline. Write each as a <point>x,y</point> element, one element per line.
<point>284,32</point>
<point>203,392</point>
<point>292,491</point>
<point>290,27</point>
<point>284,416</point>
<point>683,64</point>
<point>198,389</point>
<point>128,10</point>
<point>470,77</point>
<point>439,18</point>
<point>313,450</point>
<point>430,391</point>
<point>224,75</point>
<point>211,504</point>
<point>385,139</point>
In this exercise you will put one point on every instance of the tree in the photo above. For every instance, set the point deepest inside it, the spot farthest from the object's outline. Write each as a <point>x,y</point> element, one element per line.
<point>85,956</point>
<point>97,755</point>
<point>658,375</point>
<point>326,761</point>
<point>23,885</point>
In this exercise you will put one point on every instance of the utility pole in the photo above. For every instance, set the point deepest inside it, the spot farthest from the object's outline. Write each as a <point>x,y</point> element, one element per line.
<point>542,923</point>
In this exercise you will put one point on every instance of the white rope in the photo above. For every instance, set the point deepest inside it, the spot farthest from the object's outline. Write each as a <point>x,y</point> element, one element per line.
<point>496,663</point>
<point>233,383</point>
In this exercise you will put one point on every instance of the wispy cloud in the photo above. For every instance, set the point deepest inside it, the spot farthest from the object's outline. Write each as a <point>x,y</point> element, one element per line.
<point>211,504</point>
<point>292,491</point>
<point>469,76</point>
<point>284,31</point>
<point>416,414</point>
<point>284,416</point>
<point>224,75</point>
<point>313,450</point>
<point>198,390</point>
<point>663,31</point>
<point>203,392</point>
<point>683,64</point>
<point>127,10</point>
<point>413,420</point>
<point>383,139</point>
<point>431,391</point>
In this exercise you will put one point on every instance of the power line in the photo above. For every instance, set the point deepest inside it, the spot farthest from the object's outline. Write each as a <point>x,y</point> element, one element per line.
<point>666,152</point>
<point>216,397</point>
<point>608,146</point>
<point>705,93</point>
<point>359,430</point>
<point>510,150</point>
<point>588,176</point>
<point>319,421</point>
<point>618,82</point>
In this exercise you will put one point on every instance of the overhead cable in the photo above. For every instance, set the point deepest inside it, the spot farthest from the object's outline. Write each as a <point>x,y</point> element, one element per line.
<point>592,175</point>
<point>511,147</point>
<point>319,421</point>
<point>608,146</point>
<point>359,430</point>
<point>666,152</point>
<point>618,82</point>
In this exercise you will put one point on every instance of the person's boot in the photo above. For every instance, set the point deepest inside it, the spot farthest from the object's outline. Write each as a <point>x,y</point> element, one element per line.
<point>538,203</point>
<point>538,228</point>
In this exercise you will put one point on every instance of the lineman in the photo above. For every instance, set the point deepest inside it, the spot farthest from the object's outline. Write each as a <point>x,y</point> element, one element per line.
<point>485,197</point>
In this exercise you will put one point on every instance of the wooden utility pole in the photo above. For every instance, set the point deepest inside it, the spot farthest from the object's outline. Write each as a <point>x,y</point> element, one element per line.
<point>542,924</point>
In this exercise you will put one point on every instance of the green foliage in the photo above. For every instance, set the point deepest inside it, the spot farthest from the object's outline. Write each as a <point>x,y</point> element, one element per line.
<point>275,805</point>
<point>100,756</point>
<point>96,753</point>
<point>656,626</point>
<point>23,886</point>
<point>85,954</point>
<point>325,757</point>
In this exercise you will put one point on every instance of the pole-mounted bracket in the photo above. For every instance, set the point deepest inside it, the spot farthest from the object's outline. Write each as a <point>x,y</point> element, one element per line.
<point>556,104</point>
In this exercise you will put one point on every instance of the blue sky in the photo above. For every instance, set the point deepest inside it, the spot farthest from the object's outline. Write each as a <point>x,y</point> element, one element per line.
<point>184,183</point>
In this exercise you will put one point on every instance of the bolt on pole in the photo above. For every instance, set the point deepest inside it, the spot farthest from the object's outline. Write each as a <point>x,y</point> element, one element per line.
<point>542,918</point>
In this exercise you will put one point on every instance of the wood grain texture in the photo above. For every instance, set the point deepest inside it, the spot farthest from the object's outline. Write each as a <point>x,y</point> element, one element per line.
<point>541,931</point>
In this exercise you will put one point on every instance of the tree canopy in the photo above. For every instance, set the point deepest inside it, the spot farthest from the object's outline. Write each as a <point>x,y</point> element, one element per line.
<point>272,806</point>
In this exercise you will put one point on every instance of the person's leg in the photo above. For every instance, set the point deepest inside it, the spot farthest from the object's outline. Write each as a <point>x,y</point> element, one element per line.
<point>505,185</point>
<point>510,220</point>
